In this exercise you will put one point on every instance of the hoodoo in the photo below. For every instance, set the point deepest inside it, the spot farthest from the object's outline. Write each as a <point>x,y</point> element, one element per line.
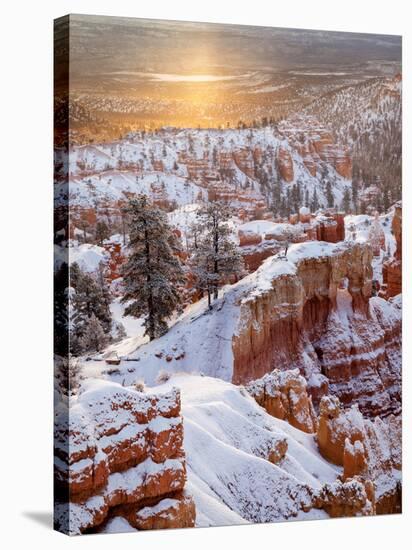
<point>120,453</point>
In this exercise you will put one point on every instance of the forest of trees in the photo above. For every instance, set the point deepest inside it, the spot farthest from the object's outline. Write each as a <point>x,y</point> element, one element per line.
<point>154,276</point>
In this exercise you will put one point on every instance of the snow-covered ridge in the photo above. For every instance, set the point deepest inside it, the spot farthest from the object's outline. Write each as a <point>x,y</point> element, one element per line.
<point>179,166</point>
<point>201,340</point>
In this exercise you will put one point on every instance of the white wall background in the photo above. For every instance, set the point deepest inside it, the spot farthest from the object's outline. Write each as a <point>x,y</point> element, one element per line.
<point>26,276</point>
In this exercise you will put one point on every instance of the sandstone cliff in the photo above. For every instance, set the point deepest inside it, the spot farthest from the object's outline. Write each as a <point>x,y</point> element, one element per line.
<point>284,395</point>
<point>321,318</point>
<point>392,268</point>
<point>312,311</point>
<point>369,450</point>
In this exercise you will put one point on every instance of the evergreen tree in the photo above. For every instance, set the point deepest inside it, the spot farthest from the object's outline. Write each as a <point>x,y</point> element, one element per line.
<point>61,310</point>
<point>217,257</point>
<point>67,374</point>
<point>152,271</point>
<point>94,337</point>
<point>355,194</point>
<point>329,195</point>
<point>346,201</point>
<point>86,299</point>
<point>385,199</point>
<point>315,201</point>
<point>102,231</point>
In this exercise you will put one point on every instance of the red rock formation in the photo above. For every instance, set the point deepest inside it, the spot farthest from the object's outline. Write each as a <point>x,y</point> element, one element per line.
<point>347,499</point>
<point>376,237</point>
<point>245,161</point>
<point>254,256</point>
<point>285,164</point>
<point>119,449</point>
<point>284,395</point>
<point>169,513</point>
<point>392,268</point>
<point>335,428</point>
<point>330,227</point>
<point>369,450</point>
<point>116,259</point>
<point>304,215</point>
<point>337,335</point>
<point>315,144</point>
<point>248,238</point>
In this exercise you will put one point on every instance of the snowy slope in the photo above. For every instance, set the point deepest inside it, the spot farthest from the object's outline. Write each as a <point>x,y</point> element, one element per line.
<point>227,440</point>
<point>201,340</point>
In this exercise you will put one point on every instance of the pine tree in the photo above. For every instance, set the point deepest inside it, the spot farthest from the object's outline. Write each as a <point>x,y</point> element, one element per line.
<point>329,195</point>
<point>61,310</point>
<point>307,198</point>
<point>315,201</point>
<point>346,201</point>
<point>355,194</point>
<point>94,338</point>
<point>217,257</point>
<point>102,231</point>
<point>153,271</point>
<point>86,299</point>
<point>67,374</point>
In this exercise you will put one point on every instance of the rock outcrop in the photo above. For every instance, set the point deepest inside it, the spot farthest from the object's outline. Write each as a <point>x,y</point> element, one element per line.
<point>315,144</point>
<point>120,452</point>
<point>346,499</point>
<point>284,395</point>
<point>330,227</point>
<point>284,164</point>
<point>260,239</point>
<point>320,318</point>
<point>312,310</point>
<point>368,450</point>
<point>392,268</point>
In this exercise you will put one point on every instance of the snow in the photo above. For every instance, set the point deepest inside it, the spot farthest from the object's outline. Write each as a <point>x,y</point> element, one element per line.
<point>118,525</point>
<point>162,506</point>
<point>108,172</point>
<point>227,437</point>
<point>357,229</point>
<point>270,230</point>
<point>87,256</point>
<point>200,340</point>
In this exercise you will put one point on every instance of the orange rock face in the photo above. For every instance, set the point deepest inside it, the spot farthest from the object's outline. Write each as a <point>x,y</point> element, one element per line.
<point>335,429</point>
<point>301,321</point>
<point>284,395</point>
<point>169,513</point>
<point>116,259</point>
<point>346,499</point>
<point>330,228</point>
<point>122,449</point>
<point>368,450</point>
<point>392,268</point>
<point>285,164</point>
<point>315,144</point>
